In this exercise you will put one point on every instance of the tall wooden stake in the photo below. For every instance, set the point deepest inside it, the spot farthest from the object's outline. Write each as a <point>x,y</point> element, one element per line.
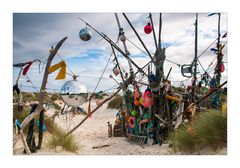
<point>124,43</point>
<point>220,55</point>
<point>195,60</point>
<point>160,30</point>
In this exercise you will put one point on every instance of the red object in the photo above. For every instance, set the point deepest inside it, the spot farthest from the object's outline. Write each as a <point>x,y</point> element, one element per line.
<point>148,28</point>
<point>147,99</point>
<point>221,67</point>
<point>25,70</point>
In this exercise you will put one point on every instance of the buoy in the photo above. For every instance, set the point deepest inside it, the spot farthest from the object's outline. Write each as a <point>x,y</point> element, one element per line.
<point>140,100</point>
<point>116,71</point>
<point>98,102</point>
<point>147,100</point>
<point>85,34</point>
<point>148,28</point>
<point>224,107</point>
<point>221,67</point>
<point>136,102</point>
<point>122,38</point>
<point>131,122</point>
<point>134,113</point>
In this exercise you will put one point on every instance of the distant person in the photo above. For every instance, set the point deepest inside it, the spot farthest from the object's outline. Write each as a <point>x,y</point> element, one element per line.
<point>109,129</point>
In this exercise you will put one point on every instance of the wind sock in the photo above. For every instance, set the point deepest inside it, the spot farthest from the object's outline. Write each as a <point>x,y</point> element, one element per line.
<point>62,72</point>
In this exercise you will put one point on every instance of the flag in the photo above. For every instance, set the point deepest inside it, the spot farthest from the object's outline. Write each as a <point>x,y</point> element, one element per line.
<point>25,70</point>
<point>62,72</point>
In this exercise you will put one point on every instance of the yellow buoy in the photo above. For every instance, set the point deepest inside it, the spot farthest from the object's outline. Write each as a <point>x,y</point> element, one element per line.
<point>224,107</point>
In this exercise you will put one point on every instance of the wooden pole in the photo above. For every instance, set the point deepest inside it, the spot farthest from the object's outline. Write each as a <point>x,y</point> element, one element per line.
<point>42,91</point>
<point>139,38</point>
<point>160,30</point>
<point>195,60</point>
<point>118,65</point>
<point>124,44</point>
<point>219,57</point>
<point>154,35</point>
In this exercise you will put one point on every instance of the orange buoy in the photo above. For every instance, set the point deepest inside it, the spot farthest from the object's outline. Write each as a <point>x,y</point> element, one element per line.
<point>136,102</point>
<point>131,122</point>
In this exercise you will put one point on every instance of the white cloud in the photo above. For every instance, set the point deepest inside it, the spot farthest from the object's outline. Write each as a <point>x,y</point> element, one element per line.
<point>177,29</point>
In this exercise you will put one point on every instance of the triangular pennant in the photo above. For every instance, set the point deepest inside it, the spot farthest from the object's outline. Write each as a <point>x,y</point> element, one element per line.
<point>211,14</point>
<point>62,72</point>
<point>225,35</point>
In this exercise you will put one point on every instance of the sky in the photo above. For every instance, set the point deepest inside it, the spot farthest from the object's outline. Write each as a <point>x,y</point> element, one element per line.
<point>35,33</point>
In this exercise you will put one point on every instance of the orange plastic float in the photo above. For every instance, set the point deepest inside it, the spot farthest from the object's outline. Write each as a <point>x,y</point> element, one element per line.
<point>131,122</point>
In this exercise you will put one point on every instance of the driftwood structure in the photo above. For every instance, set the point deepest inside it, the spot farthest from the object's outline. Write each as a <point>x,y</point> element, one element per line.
<point>145,117</point>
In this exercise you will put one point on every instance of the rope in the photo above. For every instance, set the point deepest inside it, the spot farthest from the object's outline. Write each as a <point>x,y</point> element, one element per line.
<point>147,54</point>
<point>103,72</point>
<point>73,74</point>
<point>207,48</point>
<point>32,84</point>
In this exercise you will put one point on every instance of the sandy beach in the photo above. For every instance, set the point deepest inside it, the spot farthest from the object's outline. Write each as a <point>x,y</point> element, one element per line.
<point>93,133</point>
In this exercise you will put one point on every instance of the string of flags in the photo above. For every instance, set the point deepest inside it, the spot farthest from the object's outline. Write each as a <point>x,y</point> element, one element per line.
<point>26,65</point>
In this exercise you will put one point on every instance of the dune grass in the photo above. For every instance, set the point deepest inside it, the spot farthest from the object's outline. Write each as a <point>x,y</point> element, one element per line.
<point>209,129</point>
<point>58,138</point>
<point>116,102</point>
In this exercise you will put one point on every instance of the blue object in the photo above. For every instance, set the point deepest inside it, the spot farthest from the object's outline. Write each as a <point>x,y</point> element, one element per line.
<point>118,115</point>
<point>213,83</point>
<point>214,100</point>
<point>214,50</point>
<point>152,78</point>
<point>18,124</point>
<point>43,126</point>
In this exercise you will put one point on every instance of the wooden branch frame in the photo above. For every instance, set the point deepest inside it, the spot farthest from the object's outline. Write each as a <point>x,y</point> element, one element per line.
<point>41,95</point>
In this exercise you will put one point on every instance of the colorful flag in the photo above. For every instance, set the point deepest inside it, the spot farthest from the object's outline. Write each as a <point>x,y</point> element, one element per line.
<point>62,72</point>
